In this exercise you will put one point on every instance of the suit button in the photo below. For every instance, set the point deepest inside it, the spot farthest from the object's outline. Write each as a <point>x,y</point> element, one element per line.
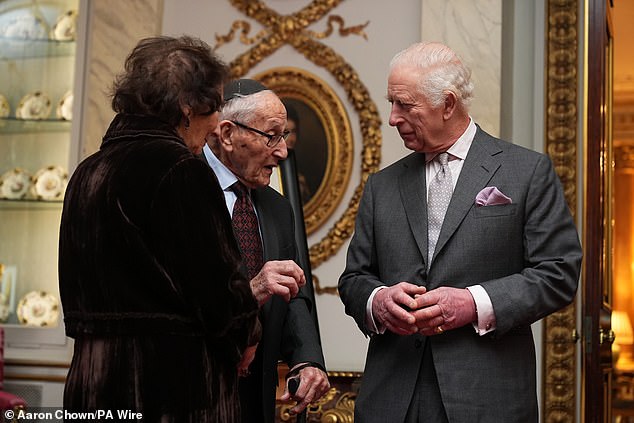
<point>418,343</point>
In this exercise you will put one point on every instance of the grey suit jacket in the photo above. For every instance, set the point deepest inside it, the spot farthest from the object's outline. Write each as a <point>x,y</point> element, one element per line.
<point>526,255</point>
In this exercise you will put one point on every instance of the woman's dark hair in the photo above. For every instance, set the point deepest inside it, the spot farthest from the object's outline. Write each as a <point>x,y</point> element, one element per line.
<point>164,73</point>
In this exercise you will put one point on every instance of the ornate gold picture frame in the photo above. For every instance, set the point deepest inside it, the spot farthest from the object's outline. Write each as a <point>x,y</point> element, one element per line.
<point>317,102</point>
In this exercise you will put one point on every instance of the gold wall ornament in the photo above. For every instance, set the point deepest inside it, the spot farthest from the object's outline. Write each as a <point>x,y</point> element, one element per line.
<point>308,89</point>
<point>291,29</point>
<point>333,407</point>
<point>623,158</point>
<point>245,28</point>
<point>561,146</point>
<point>343,31</point>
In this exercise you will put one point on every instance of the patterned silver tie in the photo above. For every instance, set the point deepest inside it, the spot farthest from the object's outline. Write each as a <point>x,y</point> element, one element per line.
<point>440,190</point>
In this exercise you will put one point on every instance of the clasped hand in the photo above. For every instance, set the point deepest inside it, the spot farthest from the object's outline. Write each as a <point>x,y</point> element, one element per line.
<point>406,309</point>
<point>278,277</point>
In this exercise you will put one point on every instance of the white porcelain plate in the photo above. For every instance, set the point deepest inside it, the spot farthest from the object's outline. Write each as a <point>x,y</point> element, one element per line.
<point>25,26</point>
<point>66,27</point>
<point>49,183</point>
<point>14,184</point>
<point>5,108</point>
<point>36,105</point>
<point>38,308</point>
<point>65,107</point>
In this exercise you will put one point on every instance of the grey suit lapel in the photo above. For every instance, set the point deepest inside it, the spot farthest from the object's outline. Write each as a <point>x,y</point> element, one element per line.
<point>412,187</point>
<point>477,170</point>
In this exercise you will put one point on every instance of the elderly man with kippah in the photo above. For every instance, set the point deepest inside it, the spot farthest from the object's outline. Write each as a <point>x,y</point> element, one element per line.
<point>250,142</point>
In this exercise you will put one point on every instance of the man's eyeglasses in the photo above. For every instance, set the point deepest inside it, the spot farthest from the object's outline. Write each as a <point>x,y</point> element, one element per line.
<point>273,140</point>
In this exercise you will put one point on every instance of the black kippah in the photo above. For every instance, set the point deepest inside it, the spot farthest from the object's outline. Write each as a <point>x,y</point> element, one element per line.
<point>242,87</point>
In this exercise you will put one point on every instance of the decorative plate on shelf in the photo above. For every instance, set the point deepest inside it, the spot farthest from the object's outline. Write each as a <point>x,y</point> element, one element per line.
<point>49,183</point>
<point>5,108</point>
<point>4,308</point>
<point>66,27</point>
<point>36,105</point>
<point>14,184</point>
<point>65,107</point>
<point>25,26</point>
<point>38,308</point>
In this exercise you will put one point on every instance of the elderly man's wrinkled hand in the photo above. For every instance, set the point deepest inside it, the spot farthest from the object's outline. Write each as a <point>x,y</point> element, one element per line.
<point>247,357</point>
<point>278,277</point>
<point>313,384</point>
<point>443,309</point>
<point>391,307</point>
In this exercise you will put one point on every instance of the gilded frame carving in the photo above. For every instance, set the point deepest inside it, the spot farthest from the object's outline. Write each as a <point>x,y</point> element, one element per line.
<point>301,85</point>
<point>560,336</point>
<point>292,30</point>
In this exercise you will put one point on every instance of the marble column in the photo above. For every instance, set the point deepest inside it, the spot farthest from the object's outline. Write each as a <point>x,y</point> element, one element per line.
<point>474,30</point>
<point>114,28</point>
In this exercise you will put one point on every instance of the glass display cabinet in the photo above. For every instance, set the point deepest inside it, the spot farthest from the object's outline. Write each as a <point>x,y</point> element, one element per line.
<point>38,58</point>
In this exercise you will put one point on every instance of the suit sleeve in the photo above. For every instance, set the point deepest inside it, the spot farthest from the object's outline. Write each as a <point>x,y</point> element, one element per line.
<point>552,256</point>
<point>300,340</point>
<point>360,278</point>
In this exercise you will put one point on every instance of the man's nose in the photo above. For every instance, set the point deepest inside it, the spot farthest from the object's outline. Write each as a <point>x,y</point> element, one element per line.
<point>395,117</point>
<point>281,150</point>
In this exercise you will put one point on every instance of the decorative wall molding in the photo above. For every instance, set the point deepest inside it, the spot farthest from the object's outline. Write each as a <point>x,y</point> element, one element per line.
<point>624,157</point>
<point>623,120</point>
<point>292,30</point>
<point>561,145</point>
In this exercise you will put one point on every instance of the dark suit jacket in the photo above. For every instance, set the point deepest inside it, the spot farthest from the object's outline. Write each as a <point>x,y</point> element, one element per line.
<point>288,330</point>
<point>526,255</point>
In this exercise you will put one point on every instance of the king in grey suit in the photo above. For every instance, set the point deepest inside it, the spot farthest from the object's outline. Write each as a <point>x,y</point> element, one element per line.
<point>451,340</point>
<point>249,143</point>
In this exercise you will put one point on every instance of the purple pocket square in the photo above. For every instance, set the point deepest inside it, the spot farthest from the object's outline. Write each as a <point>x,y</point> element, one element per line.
<point>491,196</point>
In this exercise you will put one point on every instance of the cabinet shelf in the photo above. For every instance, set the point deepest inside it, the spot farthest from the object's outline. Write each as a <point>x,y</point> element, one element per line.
<point>29,227</point>
<point>15,48</point>
<point>16,126</point>
<point>30,204</point>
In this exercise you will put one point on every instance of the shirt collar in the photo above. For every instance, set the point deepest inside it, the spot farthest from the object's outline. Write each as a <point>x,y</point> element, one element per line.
<point>226,178</point>
<point>461,147</point>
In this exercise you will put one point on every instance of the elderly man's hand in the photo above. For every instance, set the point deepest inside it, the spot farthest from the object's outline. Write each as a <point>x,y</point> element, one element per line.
<point>391,307</point>
<point>247,357</point>
<point>313,384</point>
<point>443,309</point>
<point>283,278</point>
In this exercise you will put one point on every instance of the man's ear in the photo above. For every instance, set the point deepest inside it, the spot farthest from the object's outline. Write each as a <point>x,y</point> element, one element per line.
<point>226,130</point>
<point>451,102</point>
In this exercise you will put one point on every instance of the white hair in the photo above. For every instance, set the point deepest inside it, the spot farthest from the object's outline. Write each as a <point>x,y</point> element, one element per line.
<point>441,69</point>
<point>243,108</point>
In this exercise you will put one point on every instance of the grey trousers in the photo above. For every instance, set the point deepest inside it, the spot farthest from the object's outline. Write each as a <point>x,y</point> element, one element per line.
<point>426,405</point>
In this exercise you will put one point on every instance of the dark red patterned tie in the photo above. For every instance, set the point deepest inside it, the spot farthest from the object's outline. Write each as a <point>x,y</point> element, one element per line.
<point>245,228</point>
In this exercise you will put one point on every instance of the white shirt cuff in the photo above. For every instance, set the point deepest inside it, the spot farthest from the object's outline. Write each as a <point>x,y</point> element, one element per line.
<point>369,318</point>
<point>484,309</point>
